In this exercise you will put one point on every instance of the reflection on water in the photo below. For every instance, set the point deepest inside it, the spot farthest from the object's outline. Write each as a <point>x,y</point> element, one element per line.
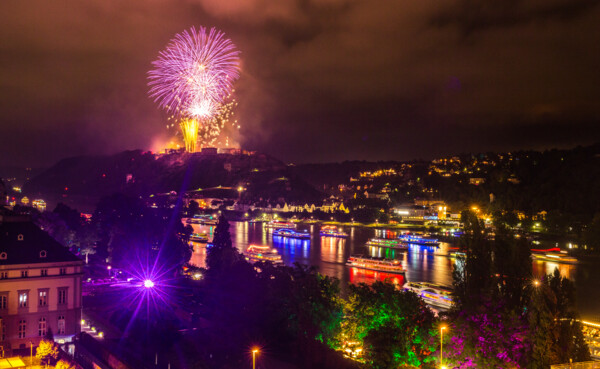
<point>332,249</point>
<point>422,263</point>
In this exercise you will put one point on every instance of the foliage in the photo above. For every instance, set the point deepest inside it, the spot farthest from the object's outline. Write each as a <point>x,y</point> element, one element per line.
<point>62,364</point>
<point>130,230</point>
<point>492,337</point>
<point>555,332</point>
<point>394,327</point>
<point>47,351</point>
<point>222,256</point>
<point>591,236</point>
<point>501,319</point>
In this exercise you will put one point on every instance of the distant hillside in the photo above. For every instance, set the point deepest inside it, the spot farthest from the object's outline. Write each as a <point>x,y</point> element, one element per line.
<point>143,173</point>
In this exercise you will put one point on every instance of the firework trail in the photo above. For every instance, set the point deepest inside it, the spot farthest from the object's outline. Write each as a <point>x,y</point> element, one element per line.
<point>193,77</point>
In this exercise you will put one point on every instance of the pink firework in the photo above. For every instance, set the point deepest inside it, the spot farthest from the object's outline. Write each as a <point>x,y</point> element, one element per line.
<point>195,73</point>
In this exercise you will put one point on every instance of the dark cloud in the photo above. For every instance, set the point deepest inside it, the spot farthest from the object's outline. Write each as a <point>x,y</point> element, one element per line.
<point>477,15</point>
<point>322,79</point>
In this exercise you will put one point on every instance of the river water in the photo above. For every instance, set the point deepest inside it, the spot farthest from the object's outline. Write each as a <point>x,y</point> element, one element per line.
<point>329,255</point>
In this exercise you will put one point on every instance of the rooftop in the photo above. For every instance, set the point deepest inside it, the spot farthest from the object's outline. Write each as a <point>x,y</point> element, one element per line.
<point>22,242</point>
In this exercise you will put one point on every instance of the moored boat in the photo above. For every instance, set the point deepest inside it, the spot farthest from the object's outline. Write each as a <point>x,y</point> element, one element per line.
<point>290,233</point>
<point>553,254</point>
<point>432,293</point>
<point>418,240</point>
<point>332,231</point>
<point>385,242</point>
<point>199,237</point>
<point>255,253</point>
<point>202,219</point>
<point>276,224</point>
<point>378,265</point>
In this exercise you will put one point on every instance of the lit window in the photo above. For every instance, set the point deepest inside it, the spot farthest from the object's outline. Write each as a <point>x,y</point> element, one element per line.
<point>23,299</point>
<point>43,298</point>
<point>22,328</point>
<point>42,327</point>
<point>61,324</point>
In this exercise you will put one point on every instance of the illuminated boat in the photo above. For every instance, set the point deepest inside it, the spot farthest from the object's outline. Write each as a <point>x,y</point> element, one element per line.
<point>553,254</point>
<point>256,253</point>
<point>418,240</point>
<point>276,224</point>
<point>378,265</point>
<point>332,231</point>
<point>199,237</point>
<point>202,219</point>
<point>432,293</point>
<point>291,233</point>
<point>385,242</point>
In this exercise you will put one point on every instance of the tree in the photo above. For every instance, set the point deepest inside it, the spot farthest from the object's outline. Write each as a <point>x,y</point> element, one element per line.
<point>556,334</point>
<point>591,236</point>
<point>62,364</point>
<point>193,208</point>
<point>491,292</point>
<point>47,351</point>
<point>394,327</point>
<point>222,255</point>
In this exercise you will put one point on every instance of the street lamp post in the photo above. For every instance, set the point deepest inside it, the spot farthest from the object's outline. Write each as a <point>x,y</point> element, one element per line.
<point>442,347</point>
<point>254,352</point>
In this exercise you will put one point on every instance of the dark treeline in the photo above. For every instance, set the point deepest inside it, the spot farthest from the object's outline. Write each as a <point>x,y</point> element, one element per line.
<point>502,317</point>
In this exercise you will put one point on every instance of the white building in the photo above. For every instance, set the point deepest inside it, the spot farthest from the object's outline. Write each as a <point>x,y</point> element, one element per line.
<point>40,286</point>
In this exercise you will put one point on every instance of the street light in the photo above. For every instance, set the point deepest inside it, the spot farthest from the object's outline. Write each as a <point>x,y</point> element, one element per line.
<point>442,366</point>
<point>148,283</point>
<point>254,352</point>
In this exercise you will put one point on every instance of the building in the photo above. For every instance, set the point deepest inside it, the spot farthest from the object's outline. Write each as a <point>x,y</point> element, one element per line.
<point>40,286</point>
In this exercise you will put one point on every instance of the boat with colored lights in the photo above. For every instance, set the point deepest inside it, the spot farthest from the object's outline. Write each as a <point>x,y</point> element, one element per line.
<point>432,293</point>
<point>291,233</point>
<point>332,231</point>
<point>386,242</point>
<point>378,265</point>
<point>553,254</point>
<point>255,253</point>
<point>418,240</point>
<point>202,219</point>
<point>276,224</point>
<point>199,237</point>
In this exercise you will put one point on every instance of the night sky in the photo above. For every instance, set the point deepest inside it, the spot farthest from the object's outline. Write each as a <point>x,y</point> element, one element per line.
<point>322,80</point>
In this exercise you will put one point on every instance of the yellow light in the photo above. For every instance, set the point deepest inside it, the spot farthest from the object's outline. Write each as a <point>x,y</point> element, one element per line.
<point>255,351</point>
<point>189,130</point>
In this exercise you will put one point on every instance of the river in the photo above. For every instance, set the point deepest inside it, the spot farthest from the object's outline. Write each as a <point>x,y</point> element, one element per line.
<point>329,255</point>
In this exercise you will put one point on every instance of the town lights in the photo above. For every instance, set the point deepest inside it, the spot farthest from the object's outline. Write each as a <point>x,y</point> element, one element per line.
<point>148,283</point>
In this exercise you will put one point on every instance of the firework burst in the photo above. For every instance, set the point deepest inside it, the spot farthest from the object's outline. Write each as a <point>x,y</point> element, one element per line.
<point>193,77</point>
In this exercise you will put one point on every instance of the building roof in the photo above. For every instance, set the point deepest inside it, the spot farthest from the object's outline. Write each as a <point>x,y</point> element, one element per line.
<point>25,243</point>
